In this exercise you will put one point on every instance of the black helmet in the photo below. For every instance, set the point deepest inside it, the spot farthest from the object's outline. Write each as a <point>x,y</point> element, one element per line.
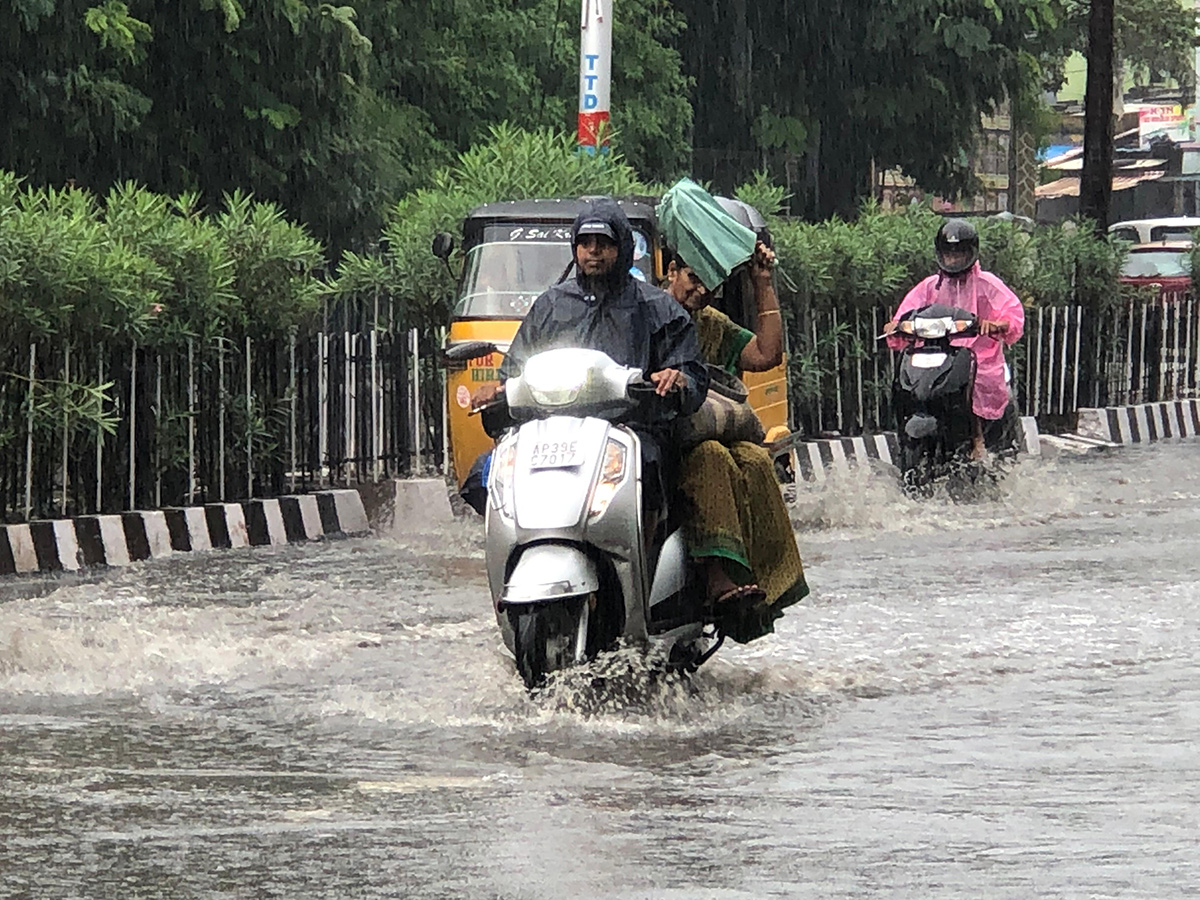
<point>957,246</point>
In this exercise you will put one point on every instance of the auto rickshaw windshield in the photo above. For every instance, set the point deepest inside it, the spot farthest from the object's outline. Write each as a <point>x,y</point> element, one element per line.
<point>502,278</point>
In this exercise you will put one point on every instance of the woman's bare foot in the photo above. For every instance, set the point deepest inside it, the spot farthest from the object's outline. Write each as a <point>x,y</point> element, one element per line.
<point>722,589</point>
<point>978,448</point>
<point>719,582</point>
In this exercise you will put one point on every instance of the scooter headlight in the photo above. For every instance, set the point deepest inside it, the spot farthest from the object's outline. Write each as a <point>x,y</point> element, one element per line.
<point>553,380</point>
<point>612,476</point>
<point>933,328</point>
<point>500,479</point>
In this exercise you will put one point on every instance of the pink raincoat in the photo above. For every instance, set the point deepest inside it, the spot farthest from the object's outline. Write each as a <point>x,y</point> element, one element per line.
<point>988,297</point>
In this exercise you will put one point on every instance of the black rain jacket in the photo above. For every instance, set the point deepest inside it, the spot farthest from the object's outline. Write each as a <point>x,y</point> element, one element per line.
<point>636,324</point>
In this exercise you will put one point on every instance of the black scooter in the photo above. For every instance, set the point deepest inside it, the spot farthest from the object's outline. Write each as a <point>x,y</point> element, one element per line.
<point>931,397</point>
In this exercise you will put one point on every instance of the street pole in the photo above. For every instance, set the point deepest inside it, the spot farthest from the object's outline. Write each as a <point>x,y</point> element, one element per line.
<point>1095,184</point>
<point>595,74</point>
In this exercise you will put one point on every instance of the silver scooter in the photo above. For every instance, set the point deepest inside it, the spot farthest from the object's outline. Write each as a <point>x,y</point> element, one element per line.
<point>572,570</point>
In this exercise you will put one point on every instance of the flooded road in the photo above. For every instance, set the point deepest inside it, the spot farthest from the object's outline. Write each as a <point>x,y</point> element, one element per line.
<point>993,700</point>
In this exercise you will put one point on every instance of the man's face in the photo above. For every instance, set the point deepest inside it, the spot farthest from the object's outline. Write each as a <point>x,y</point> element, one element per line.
<point>955,260</point>
<point>684,285</point>
<point>595,254</point>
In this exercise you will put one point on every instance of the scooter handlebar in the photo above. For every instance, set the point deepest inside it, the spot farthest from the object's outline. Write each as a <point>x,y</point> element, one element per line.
<point>910,329</point>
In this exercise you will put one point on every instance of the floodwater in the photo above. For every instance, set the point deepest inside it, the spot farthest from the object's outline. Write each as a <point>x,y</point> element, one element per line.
<point>989,700</point>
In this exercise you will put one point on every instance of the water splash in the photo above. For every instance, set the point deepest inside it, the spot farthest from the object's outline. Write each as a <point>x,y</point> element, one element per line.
<point>872,499</point>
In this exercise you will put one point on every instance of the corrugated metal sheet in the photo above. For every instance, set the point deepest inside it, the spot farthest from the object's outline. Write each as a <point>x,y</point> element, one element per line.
<point>1069,186</point>
<point>1076,164</point>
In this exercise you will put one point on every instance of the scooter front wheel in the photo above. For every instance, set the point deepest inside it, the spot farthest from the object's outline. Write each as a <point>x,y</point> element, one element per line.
<point>917,471</point>
<point>548,637</point>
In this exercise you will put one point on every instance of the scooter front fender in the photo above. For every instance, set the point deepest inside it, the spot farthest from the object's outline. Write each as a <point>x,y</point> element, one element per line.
<point>549,572</point>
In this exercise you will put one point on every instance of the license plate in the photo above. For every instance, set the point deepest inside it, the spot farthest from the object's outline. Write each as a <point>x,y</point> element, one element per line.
<point>555,455</point>
<point>928,360</point>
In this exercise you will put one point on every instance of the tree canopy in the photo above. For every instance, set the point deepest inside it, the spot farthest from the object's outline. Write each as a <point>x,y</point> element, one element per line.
<point>336,112</point>
<point>1155,39</point>
<point>333,111</point>
<point>901,84</point>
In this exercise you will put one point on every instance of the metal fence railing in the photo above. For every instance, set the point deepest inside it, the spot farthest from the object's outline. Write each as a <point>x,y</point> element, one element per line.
<point>1069,357</point>
<point>235,419</point>
<point>247,418</point>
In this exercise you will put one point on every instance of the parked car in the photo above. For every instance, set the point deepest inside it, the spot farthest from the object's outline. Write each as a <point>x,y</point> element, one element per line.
<point>1166,265</point>
<point>1144,231</point>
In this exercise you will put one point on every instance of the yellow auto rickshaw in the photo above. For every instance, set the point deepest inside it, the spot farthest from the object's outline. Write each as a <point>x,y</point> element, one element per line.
<point>513,251</point>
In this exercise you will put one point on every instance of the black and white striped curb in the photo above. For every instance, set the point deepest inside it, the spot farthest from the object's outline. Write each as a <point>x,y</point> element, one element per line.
<point>811,459</point>
<point>118,540</point>
<point>1074,443</point>
<point>1140,424</point>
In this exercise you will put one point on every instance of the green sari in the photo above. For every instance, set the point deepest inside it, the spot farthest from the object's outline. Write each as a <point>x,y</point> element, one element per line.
<point>735,510</point>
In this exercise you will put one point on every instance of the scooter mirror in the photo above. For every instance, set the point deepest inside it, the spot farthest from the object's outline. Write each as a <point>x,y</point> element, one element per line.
<point>459,353</point>
<point>443,245</point>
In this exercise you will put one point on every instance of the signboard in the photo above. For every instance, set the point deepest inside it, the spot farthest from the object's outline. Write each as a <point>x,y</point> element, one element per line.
<point>1158,122</point>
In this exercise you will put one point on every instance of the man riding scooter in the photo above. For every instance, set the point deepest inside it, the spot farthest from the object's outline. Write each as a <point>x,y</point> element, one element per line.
<point>605,308</point>
<point>961,283</point>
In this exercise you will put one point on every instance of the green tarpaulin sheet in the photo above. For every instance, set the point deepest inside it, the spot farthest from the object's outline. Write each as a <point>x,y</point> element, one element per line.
<point>710,240</point>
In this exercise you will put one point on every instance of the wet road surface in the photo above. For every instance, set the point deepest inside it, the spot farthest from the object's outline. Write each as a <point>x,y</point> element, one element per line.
<point>989,700</point>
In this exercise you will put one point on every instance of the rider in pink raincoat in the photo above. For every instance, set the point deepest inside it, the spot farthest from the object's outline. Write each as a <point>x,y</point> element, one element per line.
<point>960,282</point>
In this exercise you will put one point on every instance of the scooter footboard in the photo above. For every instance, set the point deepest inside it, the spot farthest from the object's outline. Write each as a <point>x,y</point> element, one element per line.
<point>547,572</point>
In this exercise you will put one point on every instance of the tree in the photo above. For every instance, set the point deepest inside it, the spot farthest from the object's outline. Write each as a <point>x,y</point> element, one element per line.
<point>332,111</point>
<point>1095,183</point>
<point>1153,39</point>
<point>902,84</point>
<point>195,94</point>
<point>463,66</point>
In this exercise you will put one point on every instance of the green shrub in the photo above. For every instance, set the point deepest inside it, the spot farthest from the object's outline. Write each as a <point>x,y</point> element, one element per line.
<point>194,263</point>
<point>512,165</point>
<point>86,279</point>
<point>275,265</point>
<point>63,273</point>
<point>875,260</point>
<point>145,267</point>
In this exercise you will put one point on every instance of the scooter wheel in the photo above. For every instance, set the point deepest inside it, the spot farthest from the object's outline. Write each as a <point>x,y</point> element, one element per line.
<point>548,637</point>
<point>529,640</point>
<point>917,472</point>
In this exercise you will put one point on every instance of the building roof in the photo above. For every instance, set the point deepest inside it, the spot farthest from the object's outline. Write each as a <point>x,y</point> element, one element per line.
<point>1075,164</point>
<point>1068,186</point>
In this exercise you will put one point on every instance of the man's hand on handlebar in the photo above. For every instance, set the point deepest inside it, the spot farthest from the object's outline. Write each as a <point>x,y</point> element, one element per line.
<point>889,327</point>
<point>668,380</point>
<point>485,394</point>
<point>988,327</point>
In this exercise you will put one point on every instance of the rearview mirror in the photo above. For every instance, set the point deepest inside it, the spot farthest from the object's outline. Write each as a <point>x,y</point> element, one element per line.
<point>443,245</point>
<point>460,353</point>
